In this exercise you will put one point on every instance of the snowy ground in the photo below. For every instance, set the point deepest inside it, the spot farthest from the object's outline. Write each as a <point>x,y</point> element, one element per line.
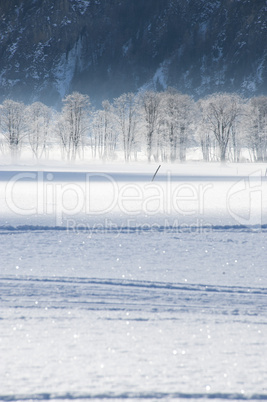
<point>116,287</point>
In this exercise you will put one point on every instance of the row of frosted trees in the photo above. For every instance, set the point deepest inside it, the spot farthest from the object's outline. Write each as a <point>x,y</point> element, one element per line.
<point>163,125</point>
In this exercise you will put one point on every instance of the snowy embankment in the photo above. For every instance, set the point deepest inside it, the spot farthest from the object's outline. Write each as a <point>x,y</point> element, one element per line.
<point>116,287</point>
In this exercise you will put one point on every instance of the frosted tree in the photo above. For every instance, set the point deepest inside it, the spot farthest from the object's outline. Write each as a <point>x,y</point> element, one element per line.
<point>97,134</point>
<point>206,139</point>
<point>256,133</point>
<point>236,141</point>
<point>203,135</point>
<point>150,104</point>
<point>103,133</point>
<point>126,112</point>
<point>62,135</point>
<point>162,139</point>
<point>2,144</point>
<point>220,113</point>
<point>38,125</point>
<point>73,124</point>
<point>109,132</point>
<point>185,121</point>
<point>178,116</point>
<point>13,125</point>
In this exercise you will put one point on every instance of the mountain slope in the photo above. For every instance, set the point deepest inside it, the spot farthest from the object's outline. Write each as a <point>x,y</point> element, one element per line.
<point>107,47</point>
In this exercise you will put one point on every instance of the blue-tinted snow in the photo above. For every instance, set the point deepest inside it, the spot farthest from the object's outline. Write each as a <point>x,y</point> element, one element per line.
<point>147,298</point>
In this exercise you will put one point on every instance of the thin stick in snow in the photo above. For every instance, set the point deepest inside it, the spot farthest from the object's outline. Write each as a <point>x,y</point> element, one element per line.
<point>155,173</point>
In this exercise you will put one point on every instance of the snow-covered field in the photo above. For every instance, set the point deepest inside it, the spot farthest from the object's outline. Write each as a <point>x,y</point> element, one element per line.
<point>114,287</point>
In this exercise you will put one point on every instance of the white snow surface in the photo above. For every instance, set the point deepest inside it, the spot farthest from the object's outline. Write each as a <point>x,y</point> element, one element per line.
<point>114,287</point>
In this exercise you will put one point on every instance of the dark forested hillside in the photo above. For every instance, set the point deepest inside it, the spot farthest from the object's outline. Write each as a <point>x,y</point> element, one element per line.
<point>107,47</point>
